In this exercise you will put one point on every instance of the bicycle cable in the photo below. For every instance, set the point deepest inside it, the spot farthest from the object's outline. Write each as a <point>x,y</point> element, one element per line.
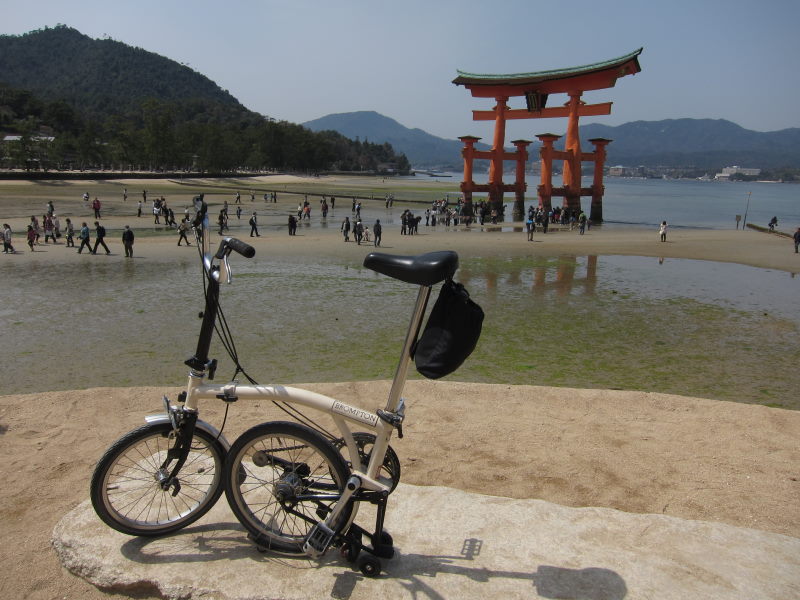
<point>225,336</point>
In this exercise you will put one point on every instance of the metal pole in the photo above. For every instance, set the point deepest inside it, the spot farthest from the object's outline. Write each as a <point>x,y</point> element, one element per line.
<point>744,223</point>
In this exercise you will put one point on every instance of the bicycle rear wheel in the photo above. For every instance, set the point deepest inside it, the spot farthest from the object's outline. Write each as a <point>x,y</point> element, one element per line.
<point>126,491</point>
<point>281,478</point>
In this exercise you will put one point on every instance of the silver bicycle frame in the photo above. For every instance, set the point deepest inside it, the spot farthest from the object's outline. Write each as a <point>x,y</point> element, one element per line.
<point>341,412</point>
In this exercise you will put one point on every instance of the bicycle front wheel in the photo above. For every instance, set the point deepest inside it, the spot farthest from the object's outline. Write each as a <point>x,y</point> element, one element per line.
<point>281,478</point>
<point>126,491</point>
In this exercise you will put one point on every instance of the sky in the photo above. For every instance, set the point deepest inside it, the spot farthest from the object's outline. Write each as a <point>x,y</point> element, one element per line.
<point>303,59</point>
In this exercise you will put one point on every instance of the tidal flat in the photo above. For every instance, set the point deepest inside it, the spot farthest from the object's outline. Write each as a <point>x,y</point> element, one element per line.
<point>618,322</point>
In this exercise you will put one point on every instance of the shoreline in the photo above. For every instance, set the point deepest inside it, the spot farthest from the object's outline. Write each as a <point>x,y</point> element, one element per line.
<point>752,248</point>
<point>17,199</point>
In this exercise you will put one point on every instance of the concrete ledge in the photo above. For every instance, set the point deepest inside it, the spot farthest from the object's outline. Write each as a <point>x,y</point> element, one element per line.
<point>451,544</point>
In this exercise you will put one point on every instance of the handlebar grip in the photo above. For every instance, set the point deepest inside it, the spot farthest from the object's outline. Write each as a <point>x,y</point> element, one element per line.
<point>237,246</point>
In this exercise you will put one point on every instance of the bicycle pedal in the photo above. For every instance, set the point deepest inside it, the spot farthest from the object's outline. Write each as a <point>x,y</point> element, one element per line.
<point>318,540</point>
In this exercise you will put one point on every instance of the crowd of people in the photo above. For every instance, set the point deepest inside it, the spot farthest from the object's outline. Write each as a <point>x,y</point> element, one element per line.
<point>442,212</point>
<point>50,229</point>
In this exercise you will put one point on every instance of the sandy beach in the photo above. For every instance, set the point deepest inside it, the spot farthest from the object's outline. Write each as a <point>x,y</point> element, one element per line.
<point>19,200</point>
<point>633,451</point>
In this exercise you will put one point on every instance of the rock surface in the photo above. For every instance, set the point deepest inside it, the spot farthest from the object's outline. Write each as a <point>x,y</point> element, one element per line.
<point>451,544</point>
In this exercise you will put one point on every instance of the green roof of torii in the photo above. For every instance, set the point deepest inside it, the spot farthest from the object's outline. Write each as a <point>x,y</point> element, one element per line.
<point>540,76</point>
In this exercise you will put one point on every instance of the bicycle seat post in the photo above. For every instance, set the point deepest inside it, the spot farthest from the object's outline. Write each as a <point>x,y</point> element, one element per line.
<point>405,358</point>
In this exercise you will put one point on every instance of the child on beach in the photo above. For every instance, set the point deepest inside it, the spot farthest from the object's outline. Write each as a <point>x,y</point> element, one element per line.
<point>31,236</point>
<point>662,231</point>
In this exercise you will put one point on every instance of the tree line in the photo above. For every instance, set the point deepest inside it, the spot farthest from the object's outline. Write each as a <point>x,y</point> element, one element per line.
<point>196,135</point>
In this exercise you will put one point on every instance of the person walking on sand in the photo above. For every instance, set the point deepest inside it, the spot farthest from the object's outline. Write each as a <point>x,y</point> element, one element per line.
<point>83,235</point>
<point>9,249</point>
<point>69,232</point>
<point>376,232</point>
<point>358,232</point>
<point>253,222</point>
<point>127,241</point>
<point>96,207</point>
<point>796,239</point>
<point>182,229</point>
<point>47,223</point>
<point>31,237</point>
<point>662,231</point>
<point>100,234</point>
<point>35,226</point>
<point>345,229</point>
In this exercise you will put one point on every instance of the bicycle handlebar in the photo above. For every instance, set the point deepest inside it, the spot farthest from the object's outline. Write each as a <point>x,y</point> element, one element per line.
<point>237,246</point>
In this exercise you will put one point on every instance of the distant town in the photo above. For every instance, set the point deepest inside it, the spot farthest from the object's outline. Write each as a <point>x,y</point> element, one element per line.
<point>734,173</point>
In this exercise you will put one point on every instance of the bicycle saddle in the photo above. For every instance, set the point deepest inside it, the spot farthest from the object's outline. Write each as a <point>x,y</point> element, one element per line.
<point>422,269</point>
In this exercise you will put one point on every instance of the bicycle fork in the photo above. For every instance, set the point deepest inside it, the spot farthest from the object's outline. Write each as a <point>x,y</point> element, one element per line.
<point>179,452</point>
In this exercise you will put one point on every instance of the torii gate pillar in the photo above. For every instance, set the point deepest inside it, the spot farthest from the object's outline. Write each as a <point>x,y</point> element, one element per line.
<point>547,153</point>
<point>468,185</point>
<point>519,182</point>
<point>598,189</point>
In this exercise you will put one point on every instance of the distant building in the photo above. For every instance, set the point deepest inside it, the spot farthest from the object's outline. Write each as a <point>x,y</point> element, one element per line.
<point>388,167</point>
<point>735,170</point>
<point>33,138</point>
<point>620,171</point>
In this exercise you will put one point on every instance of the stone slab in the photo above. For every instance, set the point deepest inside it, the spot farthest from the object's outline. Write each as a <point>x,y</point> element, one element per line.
<point>451,544</point>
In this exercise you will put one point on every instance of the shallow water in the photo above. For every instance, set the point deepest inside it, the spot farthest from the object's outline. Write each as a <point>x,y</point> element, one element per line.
<point>691,327</point>
<point>684,203</point>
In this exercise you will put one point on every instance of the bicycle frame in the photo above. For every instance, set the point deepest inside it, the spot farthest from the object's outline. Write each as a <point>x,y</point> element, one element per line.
<point>381,423</point>
<point>341,412</point>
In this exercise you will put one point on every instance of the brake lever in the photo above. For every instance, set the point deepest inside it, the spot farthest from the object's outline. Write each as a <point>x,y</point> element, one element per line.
<point>228,274</point>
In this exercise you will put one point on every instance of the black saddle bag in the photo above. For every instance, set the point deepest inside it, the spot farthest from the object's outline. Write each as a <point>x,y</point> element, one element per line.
<point>451,333</point>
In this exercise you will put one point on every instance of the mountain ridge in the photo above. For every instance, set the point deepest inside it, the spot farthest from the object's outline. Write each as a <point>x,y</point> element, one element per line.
<point>699,143</point>
<point>427,150</point>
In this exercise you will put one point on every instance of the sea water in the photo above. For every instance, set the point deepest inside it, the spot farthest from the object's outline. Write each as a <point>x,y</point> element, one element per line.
<point>680,202</point>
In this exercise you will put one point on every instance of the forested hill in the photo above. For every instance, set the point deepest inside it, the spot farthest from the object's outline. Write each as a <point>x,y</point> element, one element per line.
<point>99,76</point>
<point>77,102</point>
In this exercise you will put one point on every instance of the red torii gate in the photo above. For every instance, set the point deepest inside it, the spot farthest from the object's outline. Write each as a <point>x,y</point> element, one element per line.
<point>536,88</point>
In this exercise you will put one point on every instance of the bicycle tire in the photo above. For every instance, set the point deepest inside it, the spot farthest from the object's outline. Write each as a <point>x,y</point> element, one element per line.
<point>127,496</point>
<point>289,470</point>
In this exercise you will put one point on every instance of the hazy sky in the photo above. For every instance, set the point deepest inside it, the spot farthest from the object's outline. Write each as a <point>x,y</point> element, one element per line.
<point>299,60</point>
